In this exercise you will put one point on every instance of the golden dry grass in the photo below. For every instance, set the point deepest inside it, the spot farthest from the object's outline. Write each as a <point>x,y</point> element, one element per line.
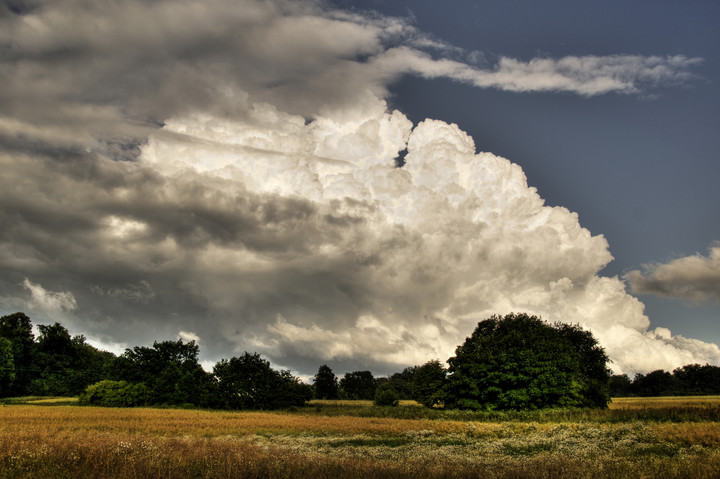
<point>68,441</point>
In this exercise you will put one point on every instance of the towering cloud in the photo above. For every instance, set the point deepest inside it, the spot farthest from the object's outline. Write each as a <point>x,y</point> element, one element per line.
<point>228,172</point>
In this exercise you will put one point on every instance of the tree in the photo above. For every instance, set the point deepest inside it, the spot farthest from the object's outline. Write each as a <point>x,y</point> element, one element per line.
<point>325,383</point>
<point>7,367</point>
<point>17,328</point>
<point>620,385</point>
<point>385,395</point>
<point>402,382</point>
<point>358,385</point>
<point>170,370</point>
<point>65,365</point>
<point>521,362</point>
<point>428,382</point>
<point>655,383</point>
<point>248,382</point>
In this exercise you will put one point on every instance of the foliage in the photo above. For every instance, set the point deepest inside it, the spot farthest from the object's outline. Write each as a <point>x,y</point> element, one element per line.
<point>17,328</point>
<point>64,365</point>
<point>402,382</point>
<point>248,382</point>
<point>170,370</point>
<point>385,395</point>
<point>689,380</point>
<point>115,394</point>
<point>7,366</point>
<point>325,383</point>
<point>428,382</point>
<point>521,362</point>
<point>358,385</point>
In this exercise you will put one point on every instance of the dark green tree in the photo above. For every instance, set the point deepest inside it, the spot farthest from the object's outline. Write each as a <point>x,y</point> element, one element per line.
<point>655,383</point>
<point>17,328</point>
<point>521,362</point>
<point>385,395</point>
<point>428,382</point>
<point>325,383</point>
<point>694,379</point>
<point>620,386</point>
<point>248,382</point>
<point>7,367</point>
<point>358,385</point>
<point>402,382</point>
<point>170,370</point>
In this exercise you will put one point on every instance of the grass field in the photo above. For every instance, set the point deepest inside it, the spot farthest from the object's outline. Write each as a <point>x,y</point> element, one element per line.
<point>638,437</point>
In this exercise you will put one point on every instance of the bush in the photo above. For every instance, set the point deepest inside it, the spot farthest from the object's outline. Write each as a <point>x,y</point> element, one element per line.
<point>115,394</point>
<point>385,395</point>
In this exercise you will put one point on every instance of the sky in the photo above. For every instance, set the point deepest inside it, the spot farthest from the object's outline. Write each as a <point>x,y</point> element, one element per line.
<point>359,183</point>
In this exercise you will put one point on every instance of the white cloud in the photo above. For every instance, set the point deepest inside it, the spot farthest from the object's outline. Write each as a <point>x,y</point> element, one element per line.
<point>186,337</point>
<point>694,278</point>
<point>235,216</point>
<point>417,255</point>
<point>49,301</point>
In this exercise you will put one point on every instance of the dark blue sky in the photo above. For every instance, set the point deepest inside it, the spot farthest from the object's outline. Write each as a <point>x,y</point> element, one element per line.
<point>641,170</point>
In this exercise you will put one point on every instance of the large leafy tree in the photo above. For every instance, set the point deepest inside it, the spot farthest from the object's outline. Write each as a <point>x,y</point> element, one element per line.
<point>521,362</point>
<point>358,385</point>
<point>248,382</point>
<point>325,383</point>
<point>170,370</point>
<point>65,365</point>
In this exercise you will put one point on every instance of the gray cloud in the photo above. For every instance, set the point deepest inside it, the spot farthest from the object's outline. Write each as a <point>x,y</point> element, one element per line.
<point>226,170</point>
<point>694,278</point>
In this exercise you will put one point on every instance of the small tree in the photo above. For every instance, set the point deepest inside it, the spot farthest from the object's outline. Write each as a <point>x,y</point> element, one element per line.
<point>385,395</point>
<point>521,362</point>
<point>325,383</point>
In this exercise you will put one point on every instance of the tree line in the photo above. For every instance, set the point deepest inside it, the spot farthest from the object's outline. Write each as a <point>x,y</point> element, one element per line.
<point>512,362</point>
<point>689,380</point>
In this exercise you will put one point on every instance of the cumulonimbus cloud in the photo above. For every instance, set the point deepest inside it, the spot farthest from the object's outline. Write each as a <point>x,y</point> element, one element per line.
<point>694,278</point>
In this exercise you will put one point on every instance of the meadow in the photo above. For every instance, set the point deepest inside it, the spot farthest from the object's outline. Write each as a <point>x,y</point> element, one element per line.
<point>635,437</point>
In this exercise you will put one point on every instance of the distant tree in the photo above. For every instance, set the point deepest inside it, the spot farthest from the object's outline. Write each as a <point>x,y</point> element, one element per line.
<point>620,385</point>
<point>385,395</point>
<point>17,328</point>
<point>521,362</point>
<point>7,367</point>
<point>170,370</point>
<point>358,385</point>
<point>325,383</point>
<point>248,382</point>
<point>65,365</point>
<point>655,383</point>
<point>428,382</point>
<point>694,379</point>
<point>402,382</point>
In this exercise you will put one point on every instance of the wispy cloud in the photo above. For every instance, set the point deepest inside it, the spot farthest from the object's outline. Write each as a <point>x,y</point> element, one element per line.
<point>693,278</point>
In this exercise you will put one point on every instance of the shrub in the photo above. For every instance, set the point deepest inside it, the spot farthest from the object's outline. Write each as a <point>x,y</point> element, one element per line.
<point>115,394</point>
<point>385,395</point>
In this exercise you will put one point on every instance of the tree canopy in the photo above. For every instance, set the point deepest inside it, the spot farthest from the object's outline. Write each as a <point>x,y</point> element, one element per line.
<point>325,383</point>
<point>521,362</point>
